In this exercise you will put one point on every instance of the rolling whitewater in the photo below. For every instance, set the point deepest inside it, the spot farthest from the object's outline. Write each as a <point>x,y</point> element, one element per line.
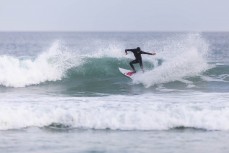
<point>66,87</point>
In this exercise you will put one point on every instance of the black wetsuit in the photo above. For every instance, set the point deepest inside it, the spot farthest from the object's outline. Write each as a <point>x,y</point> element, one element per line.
<point>138,58</point>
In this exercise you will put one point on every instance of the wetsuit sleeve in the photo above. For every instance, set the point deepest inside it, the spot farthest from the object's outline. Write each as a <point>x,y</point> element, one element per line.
<point>132,50</point>
<point>142,52</point>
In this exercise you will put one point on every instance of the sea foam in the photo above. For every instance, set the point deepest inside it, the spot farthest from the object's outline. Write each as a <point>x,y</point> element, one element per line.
<point>209,111</point>
<point>50,65</point>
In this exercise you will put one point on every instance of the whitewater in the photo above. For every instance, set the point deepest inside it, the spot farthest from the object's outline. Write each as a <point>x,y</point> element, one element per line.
<point>144,112</point>
<point>65,89</point>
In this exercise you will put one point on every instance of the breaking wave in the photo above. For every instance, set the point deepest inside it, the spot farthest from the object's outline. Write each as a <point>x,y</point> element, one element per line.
<point>139,112</point>
<point>177,60</point>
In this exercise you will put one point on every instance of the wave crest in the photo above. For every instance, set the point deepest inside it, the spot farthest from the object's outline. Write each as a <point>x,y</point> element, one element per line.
<point>48,66</point>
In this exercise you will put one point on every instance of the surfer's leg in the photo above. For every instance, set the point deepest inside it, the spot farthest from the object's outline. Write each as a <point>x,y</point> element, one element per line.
<point>132,66</point>
<point>141,65</point>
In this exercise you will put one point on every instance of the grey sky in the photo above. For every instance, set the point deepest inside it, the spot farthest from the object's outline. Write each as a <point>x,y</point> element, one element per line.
<point>114,15</point>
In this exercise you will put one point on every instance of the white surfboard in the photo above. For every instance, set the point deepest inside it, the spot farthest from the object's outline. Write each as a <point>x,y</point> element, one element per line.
<point>127,73</point>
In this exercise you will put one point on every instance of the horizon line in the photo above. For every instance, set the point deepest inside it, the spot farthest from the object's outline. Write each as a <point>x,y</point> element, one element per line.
<point>114,31</point>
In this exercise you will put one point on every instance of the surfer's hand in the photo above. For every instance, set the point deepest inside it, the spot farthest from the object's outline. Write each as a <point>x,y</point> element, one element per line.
<point>126,52</point>
<point>153,53</point>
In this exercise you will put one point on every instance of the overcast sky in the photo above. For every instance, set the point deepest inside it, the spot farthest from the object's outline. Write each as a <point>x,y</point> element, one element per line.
<point>114,15</point>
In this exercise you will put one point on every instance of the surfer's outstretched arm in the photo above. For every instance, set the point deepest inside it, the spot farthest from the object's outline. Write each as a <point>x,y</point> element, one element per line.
<point>131,50</point>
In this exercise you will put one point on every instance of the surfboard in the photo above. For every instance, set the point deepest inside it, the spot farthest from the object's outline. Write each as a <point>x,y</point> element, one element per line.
<point>127,73</point>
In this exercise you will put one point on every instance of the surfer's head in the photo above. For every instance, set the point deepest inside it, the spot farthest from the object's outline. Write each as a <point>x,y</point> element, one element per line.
<point>138,48</point>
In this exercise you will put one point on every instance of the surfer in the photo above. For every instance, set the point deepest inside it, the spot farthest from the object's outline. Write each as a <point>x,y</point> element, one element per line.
<point>138,58</point>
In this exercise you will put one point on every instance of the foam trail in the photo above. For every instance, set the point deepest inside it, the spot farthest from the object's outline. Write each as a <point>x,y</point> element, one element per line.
<point>48,66</point>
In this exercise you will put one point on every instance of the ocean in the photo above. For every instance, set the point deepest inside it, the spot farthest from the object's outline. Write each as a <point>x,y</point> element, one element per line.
<point>63,92</point>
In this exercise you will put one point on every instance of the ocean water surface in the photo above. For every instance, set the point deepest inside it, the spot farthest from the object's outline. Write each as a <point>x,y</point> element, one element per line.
<point>63,92</point>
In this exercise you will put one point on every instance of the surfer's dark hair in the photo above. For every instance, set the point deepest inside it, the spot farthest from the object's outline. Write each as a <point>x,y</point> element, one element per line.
<point>138,48</point>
